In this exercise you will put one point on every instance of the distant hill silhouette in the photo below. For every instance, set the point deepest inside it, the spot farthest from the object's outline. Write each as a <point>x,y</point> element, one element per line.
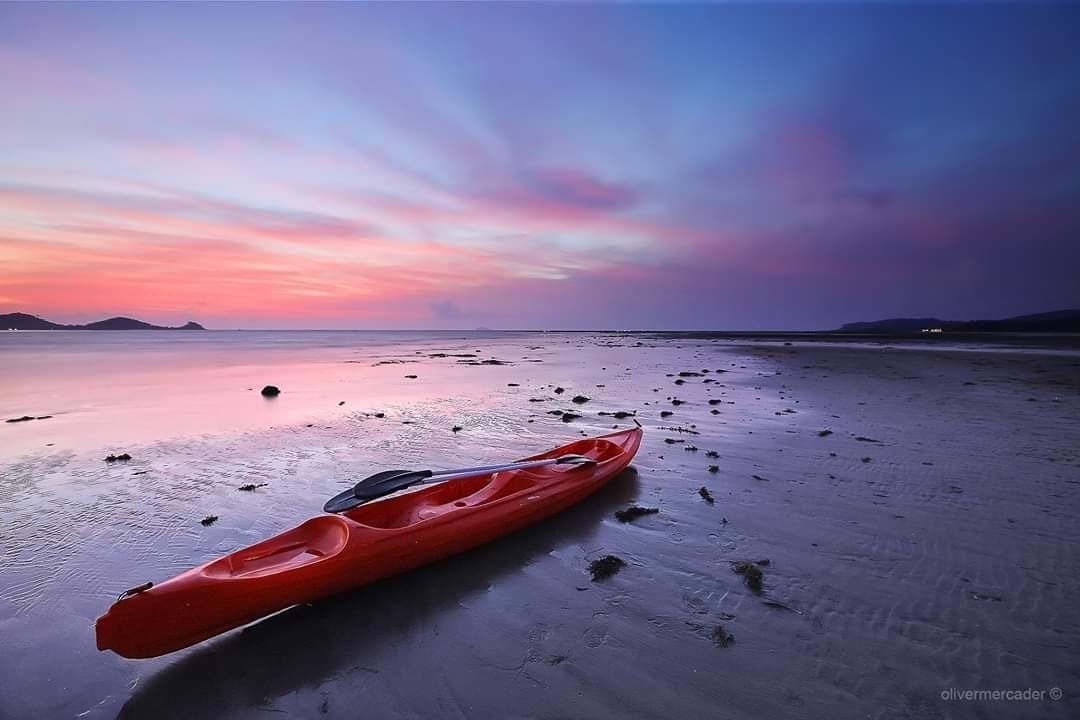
<point>22,321</point>
<point>1060,321</point>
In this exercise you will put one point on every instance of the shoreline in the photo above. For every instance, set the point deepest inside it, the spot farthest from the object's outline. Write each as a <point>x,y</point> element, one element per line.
<point>1005,338</point>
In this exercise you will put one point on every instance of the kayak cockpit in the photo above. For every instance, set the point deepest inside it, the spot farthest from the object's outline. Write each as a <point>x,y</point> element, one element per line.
<point>408,509</point>
<point>314,540</point>
<point>471,492</point>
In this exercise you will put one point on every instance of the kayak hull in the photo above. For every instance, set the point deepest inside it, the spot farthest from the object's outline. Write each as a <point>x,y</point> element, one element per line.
<point>329,554</point>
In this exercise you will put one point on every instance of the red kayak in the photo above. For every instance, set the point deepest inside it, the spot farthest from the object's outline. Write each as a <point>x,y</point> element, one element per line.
<point>333,553</point>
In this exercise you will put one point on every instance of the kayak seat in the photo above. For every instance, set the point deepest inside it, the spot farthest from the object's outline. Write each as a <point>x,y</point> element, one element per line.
<point>456,490</point>
<point>507,483</point>
<point>411,508</point>
<point>495,487</point>
<point>310,542</point>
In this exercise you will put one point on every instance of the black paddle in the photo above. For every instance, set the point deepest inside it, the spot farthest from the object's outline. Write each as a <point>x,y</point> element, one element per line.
<point>389,481</point>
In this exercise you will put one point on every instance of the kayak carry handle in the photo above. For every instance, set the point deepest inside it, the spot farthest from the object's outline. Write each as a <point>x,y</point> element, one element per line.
<point>134,591</point>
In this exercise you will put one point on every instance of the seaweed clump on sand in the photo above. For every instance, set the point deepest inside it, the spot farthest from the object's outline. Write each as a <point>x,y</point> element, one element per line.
<point>209,520</point>
<point>633,512</point>
<point>722,637</point>
<point>251,487</point>
<point>666,413</point>
<point>680,429</point>
<point>605,567</point>
<point>751,573</point>
<point>714,468</point>
<point>270,391</point>
<point>569,417</point>
<point>580,399</point>
<point>824,433</point>
<point>122,457</point>
<point>491,361</point>
<point>706,495</point>
<point>456,429</point>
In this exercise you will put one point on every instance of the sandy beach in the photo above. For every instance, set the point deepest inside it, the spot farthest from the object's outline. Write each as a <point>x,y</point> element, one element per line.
<point>916,506</point>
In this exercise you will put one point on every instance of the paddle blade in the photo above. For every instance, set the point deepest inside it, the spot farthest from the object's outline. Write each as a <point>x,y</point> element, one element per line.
<point>341,502</point>
<point>387,482</point>
<point>375,486</point>
<point>348,499</point>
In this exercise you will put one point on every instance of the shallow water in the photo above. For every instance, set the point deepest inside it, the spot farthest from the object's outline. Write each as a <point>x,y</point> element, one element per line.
<point>104,388</point>
<point>948,560</point>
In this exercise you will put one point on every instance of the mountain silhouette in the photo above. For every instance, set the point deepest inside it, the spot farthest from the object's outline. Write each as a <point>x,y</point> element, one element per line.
<point>1059,321</point>
<point>23,321</point>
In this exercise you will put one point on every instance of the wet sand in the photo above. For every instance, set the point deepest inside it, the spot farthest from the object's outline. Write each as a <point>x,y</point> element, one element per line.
<point>927,541</point>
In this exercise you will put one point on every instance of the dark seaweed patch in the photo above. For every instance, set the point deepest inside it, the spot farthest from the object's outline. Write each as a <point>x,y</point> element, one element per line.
<point>605,567</point>
<point>722,637</point>
<point>751,573</point>
<point>633,512</point>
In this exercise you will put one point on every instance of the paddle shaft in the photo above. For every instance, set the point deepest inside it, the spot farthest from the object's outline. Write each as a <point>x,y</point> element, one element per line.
<point>392,481</point>
<point>466,472</point>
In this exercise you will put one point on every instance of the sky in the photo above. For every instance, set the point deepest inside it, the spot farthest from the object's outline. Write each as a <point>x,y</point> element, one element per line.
<point>538,165</point>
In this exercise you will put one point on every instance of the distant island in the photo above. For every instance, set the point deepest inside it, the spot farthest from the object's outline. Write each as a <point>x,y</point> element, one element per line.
<point>1060,321</point>
<point>23,321</point>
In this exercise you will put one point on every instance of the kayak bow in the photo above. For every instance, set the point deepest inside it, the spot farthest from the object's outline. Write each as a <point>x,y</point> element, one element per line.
<point>333,553</point>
